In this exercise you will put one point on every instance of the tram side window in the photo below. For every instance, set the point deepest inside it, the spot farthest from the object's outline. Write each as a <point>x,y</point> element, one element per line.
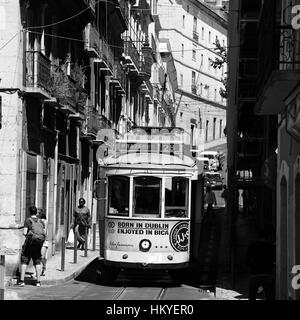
<point>147,200</point>
<point>176,197</point>
<point>118,187</point>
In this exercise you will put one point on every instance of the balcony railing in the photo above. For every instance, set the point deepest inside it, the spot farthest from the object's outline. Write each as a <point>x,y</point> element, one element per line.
<point>194,88</point>
<point>106,54</point>
<point>196,36</point>
<point>119,76</point>
<point>131,51</point>
<point>289,57</point>
<point>92,41</point>
<point>37,70</point>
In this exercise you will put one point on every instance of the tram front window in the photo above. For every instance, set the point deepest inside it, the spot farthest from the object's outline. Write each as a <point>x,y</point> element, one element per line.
<point>146,196</point>
<point>176,191</point>
<point>118,195</point>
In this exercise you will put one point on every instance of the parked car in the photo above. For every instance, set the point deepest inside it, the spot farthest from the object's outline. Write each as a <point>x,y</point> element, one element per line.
<point>213,179</point>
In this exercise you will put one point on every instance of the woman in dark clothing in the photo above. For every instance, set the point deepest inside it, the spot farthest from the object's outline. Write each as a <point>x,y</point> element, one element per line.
<point>82,220</point>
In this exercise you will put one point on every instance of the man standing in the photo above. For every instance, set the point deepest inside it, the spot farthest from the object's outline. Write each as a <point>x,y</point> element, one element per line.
<point>210,199</point>
<point>34,232</point>
<point>82,220</point>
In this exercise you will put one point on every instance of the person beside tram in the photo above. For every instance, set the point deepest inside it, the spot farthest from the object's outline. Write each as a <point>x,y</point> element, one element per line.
<point>210,200</point>
<point>82,220</point>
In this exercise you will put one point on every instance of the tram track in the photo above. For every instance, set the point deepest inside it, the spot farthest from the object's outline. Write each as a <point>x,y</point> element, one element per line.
<point>126,293</point>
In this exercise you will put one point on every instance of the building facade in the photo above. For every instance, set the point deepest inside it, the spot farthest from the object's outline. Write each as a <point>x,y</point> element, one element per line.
<point>192,29</point>
<point>68,70</point>
<point>263,125</point>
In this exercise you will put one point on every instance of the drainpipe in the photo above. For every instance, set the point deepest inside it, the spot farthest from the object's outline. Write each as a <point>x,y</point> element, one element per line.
<point>55,191</point>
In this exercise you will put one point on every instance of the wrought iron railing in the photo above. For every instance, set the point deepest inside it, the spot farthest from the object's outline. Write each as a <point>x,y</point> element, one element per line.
<point>37,70</point>
<point>106,53</point>
<point>119,74</point>
<point>91,39</point>
<point>194,88</point>
<point>196,36</point>
<point>131,51</point>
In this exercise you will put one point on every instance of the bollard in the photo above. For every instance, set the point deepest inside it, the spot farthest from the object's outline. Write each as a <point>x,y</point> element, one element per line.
<point>63,253</point>
<point>94,236</point>
<point>75,247</point>
<point>86,242</point>
<point>2,276</point>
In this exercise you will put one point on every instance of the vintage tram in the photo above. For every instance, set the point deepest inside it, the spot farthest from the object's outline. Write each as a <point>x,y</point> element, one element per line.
<point>145,207</point>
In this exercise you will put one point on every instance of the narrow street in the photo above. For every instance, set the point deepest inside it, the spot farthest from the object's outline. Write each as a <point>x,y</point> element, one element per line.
<point>144,284</point>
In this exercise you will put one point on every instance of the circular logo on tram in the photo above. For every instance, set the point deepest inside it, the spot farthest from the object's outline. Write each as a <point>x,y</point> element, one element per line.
<point>179,236</point>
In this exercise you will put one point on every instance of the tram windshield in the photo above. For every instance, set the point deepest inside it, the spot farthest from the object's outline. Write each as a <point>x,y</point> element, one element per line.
<point>118,195</point>
<point>146,196</point>
<point>176,197</point>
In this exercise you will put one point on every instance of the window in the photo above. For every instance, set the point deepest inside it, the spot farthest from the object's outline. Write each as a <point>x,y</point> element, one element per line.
<point>206,130</point>
<point>118,201</point>
<point>223,43</point>
<point>209,37</point>
<point>208,65</point>
<point>176,197</point>
<point>187,9</point>
<point>183,21</point>
<point>201,62</point>
<point>30,191</point>
<point>202,33</point>
<point>221,128</point>
<point>146,196</point>
<point>215,95</point>
<point>194,54</point>
<point>201,88</point>
<point>193,77</point>
<point>182,50</point>
<point>181,80</point>
<point>195,24</point>
<point>214,128</point>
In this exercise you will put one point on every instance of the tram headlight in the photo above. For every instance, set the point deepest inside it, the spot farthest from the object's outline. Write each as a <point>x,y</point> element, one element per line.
<point>170,257</point>
<point>125,256</point>
<point>145,245</point>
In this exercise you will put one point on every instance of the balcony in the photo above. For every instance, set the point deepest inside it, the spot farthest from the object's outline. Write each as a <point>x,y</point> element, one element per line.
<point>196,36</point>
<point>147,89</point>
<point>92,41</point>
<point>194,88</point>
<point>67,89</point>
<point>106,58</point>
<point>278,76</point>
<point>92,124</point>
<point>118,79</point>
<point>118,13</point>
<point>37,74</point>
<point>131,55</point>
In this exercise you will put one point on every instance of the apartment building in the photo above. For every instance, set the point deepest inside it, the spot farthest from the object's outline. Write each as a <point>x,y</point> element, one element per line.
<point>68,70</point>
<point>192,29</point>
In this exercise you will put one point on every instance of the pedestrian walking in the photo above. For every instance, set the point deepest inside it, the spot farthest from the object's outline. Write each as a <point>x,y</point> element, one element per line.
<point>82,220</point>
<point>34,232</point>
<point>210,199</point>
<point>224,194</point>
<point>261,257</point>
<point>44,250</point>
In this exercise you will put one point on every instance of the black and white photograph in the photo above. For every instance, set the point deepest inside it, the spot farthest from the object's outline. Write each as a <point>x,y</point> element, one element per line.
<point>150,153</point>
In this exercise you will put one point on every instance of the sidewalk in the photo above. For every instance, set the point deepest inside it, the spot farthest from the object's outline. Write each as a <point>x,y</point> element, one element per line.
<point>54,274</point>
<point>229,287</point>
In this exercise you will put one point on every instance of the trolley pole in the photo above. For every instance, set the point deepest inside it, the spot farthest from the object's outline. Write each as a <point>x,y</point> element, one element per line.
<point>86,242</point>
<point>75,247</point>
<point>2,276</point>
<point>94,236</point>
<point>63,253</point>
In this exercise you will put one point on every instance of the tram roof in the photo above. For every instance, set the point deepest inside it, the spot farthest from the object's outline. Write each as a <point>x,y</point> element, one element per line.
<point>149,160</point>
